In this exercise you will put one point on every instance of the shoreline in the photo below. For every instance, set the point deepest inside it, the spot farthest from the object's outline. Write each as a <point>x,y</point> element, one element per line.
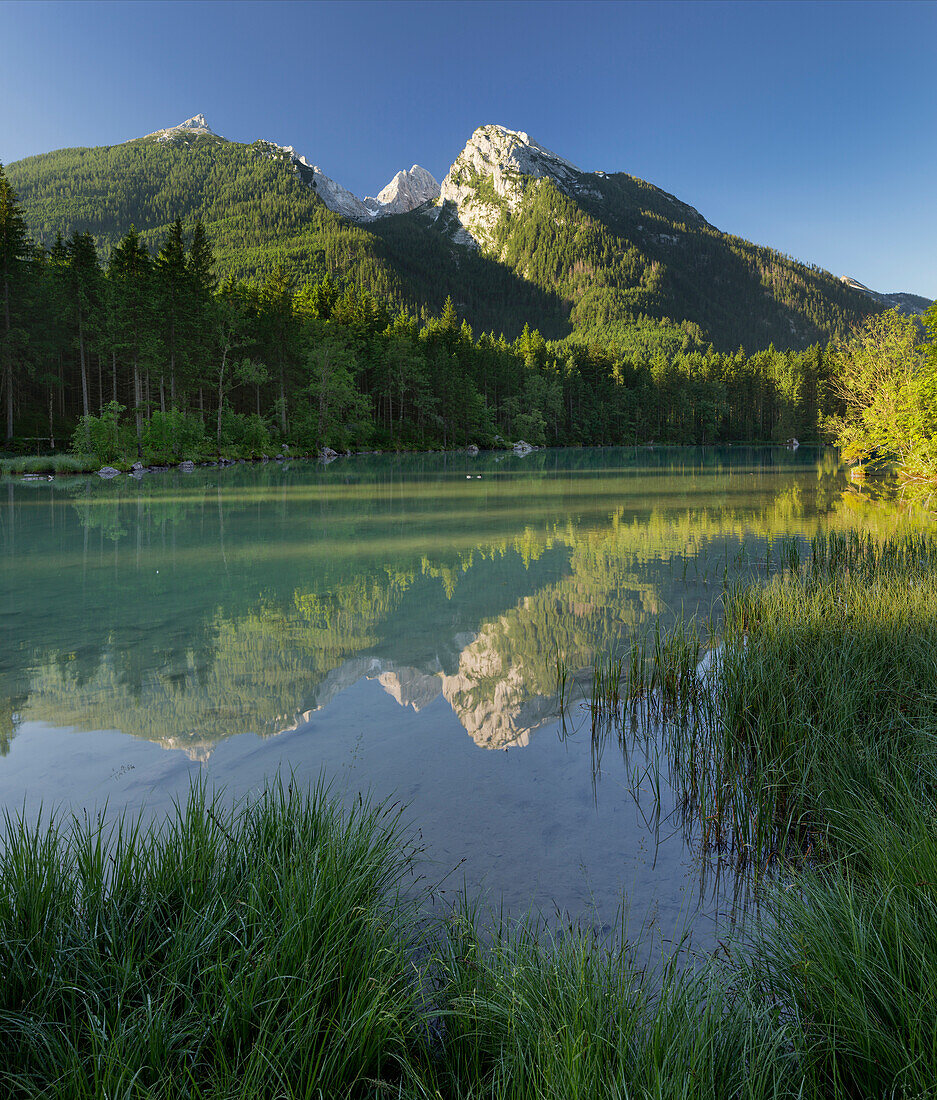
<point>48,467</point>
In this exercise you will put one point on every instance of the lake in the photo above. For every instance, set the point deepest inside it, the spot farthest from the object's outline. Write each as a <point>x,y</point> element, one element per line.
<point>394,624</point>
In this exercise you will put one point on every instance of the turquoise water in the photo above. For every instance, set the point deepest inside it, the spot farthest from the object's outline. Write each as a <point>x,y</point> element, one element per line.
<point>393,623</point>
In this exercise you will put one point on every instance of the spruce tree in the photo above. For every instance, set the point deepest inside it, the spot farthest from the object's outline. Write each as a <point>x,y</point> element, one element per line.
<point>84,291</point>
<point>279,331</point>
<point>171,289</point>
<point>130,274</point>
<point>14,254</point>
<point>199,306</point>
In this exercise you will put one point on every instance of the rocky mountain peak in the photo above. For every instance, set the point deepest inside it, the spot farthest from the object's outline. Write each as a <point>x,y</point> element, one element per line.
<point>196,125</point>
<point>406,191</point>
<point>912,304</point>
<point>507,158</point>
<point>196,122</point>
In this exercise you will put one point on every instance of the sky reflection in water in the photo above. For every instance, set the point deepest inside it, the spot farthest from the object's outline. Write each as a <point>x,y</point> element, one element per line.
<point>394,623</point>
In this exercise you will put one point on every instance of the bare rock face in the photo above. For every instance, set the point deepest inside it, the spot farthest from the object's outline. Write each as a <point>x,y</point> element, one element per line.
<point>192,127</point>
<point>336,197</point>
<point>409,686</point>
<point>506,158</point>
<point>405,192</point>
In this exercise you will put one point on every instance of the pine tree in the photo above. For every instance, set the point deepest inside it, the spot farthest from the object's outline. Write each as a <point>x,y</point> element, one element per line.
<point>171,287</point>
<point>84,300</point>
<point>198,307</point>
<point>279,330</point>
<point>130,274</point>
<point>14,253</point>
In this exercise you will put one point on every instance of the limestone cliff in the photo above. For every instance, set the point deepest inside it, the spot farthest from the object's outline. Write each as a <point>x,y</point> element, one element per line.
<point>490,174</point>
<point>405,192</point>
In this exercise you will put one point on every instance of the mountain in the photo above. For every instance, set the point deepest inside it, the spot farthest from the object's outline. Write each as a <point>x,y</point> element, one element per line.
<point>617,248</point>
<point>263,206</point>
<point>405,192</point>
<point>192,127</point>
<point>515,234</point>
<point>912,304</point>
<point>491,174</point>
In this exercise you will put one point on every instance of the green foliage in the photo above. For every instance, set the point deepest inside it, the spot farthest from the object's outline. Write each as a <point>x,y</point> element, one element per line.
<point>250,952</point>
<point>338,361</point>
<point>823,729</point>
<point>857,957</point>
<point>528,1016</point>
<point>829,683</point>
<point>244,434</point>
<point>642,270</point>
<point>47,464</point>
<point>104,437</point>
<point>623,262</point>
<point>887,384</point>
<point>810,745</point>
<point>854,625</point>
<point>15,248</point>
<point>334,412</point>
<point>174,435</point>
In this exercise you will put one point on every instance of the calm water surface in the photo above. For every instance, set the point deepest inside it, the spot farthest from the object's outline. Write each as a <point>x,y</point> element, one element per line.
<point>394,624</point>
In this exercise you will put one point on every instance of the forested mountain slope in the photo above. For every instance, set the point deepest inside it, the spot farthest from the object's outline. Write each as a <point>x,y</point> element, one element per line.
<point>619,249</point>
<point>260,212</point>
<point>519,236</point>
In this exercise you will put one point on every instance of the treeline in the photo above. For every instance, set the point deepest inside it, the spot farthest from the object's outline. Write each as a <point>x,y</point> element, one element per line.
<point>260,213</point>
<point>621,262</point>
<point>147,356</point>
<point>624,251</point>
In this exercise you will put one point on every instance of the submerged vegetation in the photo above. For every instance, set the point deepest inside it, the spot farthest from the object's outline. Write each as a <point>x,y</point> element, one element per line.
<point>286,946</point>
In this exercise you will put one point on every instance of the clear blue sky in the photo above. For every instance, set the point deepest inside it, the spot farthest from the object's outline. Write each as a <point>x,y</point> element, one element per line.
<point>806,126</point>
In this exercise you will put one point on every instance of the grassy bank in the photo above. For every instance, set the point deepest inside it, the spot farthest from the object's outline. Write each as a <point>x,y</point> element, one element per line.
<point>264,952</point>
<point>282,949</point>
<point>806,751</point>
<point>47,464</point>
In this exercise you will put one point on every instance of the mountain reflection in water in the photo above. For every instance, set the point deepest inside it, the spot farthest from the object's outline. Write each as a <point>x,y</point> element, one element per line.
<point>186,610</point>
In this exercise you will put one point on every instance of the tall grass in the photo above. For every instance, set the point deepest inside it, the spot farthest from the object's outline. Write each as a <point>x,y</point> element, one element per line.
<point>266,951</point>
<point>526,1016</point>
<point>808,739</point>
<point>826,688</point>
<point>812,737</point>
<point>47,464</point>
<point>819,680</point>
<point>276,949</point>
<point>852,954</point>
